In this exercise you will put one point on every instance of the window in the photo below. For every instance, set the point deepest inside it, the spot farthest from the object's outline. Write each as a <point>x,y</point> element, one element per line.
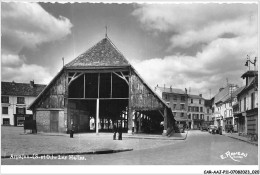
<point>4,99</point>
<point>4,110</point>
<point>225,114</point>
<point>230,113</point>
<point>201,116</point>
<point>207,118</point>
<point>6,121</point>
<point>240,105</point>
<point>20,100</point>
<point>201,109</point>
<point>197,109</point>
<point>207,111</point>
<point>182,98</point>
<point>253,100</point>
<point>199,101</point>
<point>182,106</point>
<point>189,116</point>
<point>20,110</point>
<point>174,98</point>
<point>182,114</point>
<point>174,106</point>
<point>191,100</point>
<point>245,104</point>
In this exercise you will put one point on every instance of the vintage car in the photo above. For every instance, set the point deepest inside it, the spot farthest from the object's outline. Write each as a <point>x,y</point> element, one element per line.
<point>213,129</point>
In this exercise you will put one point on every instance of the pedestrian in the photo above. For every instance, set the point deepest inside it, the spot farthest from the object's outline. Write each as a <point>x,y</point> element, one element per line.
<point>114,131</point>
<point>120,133</point>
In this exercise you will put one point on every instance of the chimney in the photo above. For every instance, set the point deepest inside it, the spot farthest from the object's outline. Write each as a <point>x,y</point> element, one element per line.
<point>171,88</point>
<point>185,90</point>
<point>164,87</point>
<point>32,83</point>
<point>200,95</point>
<point>220,89</point>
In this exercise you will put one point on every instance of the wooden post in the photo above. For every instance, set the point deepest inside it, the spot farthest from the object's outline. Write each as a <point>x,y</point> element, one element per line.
<point>84,94</point>
<point>139,122</point>
<point>97,115</point>
<point>165,121</point>
<point>129,112</point>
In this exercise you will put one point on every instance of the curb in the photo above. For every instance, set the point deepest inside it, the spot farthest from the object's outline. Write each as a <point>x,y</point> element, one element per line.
<point>75,153</point>
<point>157,138</point>
<point>255,144</point>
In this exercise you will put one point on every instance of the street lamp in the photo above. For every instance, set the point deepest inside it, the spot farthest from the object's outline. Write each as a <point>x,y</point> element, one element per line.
<point>254,63</point>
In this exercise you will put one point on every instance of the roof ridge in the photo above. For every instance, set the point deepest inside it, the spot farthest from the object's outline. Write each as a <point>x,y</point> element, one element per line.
<point>103,53</point>
<point>79,56</point>
<point>116,49</point>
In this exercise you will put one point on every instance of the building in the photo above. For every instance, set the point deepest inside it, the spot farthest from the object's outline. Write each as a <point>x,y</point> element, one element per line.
<point>186,108</point>
<point>100,85</point>
<point>221,106</point>
<point>15,98</point>
<point>196,111</point>
<point>177,99</point>
<point>208,110</point>
<point>247,110</point>
<point>227,108</point>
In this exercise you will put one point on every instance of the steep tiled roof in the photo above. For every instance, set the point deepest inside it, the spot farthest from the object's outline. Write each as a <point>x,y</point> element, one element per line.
<point>104,53</point>
<point>171,90</point>
<point>21,89</point>
<point>234,94</point>
<point>253,84</point>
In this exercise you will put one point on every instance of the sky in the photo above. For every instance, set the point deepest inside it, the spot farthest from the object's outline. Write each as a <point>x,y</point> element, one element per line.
<point>198,46</point>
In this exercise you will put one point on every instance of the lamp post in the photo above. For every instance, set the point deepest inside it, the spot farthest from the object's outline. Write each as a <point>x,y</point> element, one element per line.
<point>254,63</point>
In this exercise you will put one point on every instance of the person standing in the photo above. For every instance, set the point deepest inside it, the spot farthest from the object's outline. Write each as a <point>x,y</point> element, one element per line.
<point>114,131</point>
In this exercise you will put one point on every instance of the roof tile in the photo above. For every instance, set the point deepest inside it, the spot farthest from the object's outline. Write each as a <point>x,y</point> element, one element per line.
<point>21,89</point>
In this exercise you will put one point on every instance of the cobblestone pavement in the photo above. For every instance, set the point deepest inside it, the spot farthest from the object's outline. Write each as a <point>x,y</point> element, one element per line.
<point>14,141</point>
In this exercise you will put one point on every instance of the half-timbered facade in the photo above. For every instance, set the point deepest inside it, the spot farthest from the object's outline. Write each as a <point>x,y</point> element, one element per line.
<point>97,90</point>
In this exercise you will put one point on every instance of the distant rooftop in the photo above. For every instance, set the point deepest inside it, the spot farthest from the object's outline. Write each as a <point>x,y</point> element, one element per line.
<point>170,90</point>
<point>21,89</point>
<point>250,73</point>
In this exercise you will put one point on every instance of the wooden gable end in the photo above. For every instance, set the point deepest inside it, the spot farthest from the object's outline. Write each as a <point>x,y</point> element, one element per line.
<point>142,98</point>
<point>53,96</point>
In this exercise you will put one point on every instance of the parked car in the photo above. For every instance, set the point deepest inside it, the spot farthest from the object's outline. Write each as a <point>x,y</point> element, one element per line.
<point>204,127</point>
<point>213,129</point>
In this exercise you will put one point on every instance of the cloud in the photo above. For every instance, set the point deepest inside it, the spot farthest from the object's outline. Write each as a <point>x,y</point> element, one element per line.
<point>198,23</point>
<point>223,58</point>
<point>25,72</point>
<point>227,33</point>
<point>11,60</point>
<point>27,25</point>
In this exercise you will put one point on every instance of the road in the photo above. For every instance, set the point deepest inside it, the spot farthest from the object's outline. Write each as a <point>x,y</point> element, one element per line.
<point>200,148</point>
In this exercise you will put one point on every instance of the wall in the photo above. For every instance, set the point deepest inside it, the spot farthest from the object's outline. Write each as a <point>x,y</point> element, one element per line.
<point>12,107</point>
<point>141,97</point>
<point>175,99</point>
<point>54,96</point>
<point>43,121</point>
